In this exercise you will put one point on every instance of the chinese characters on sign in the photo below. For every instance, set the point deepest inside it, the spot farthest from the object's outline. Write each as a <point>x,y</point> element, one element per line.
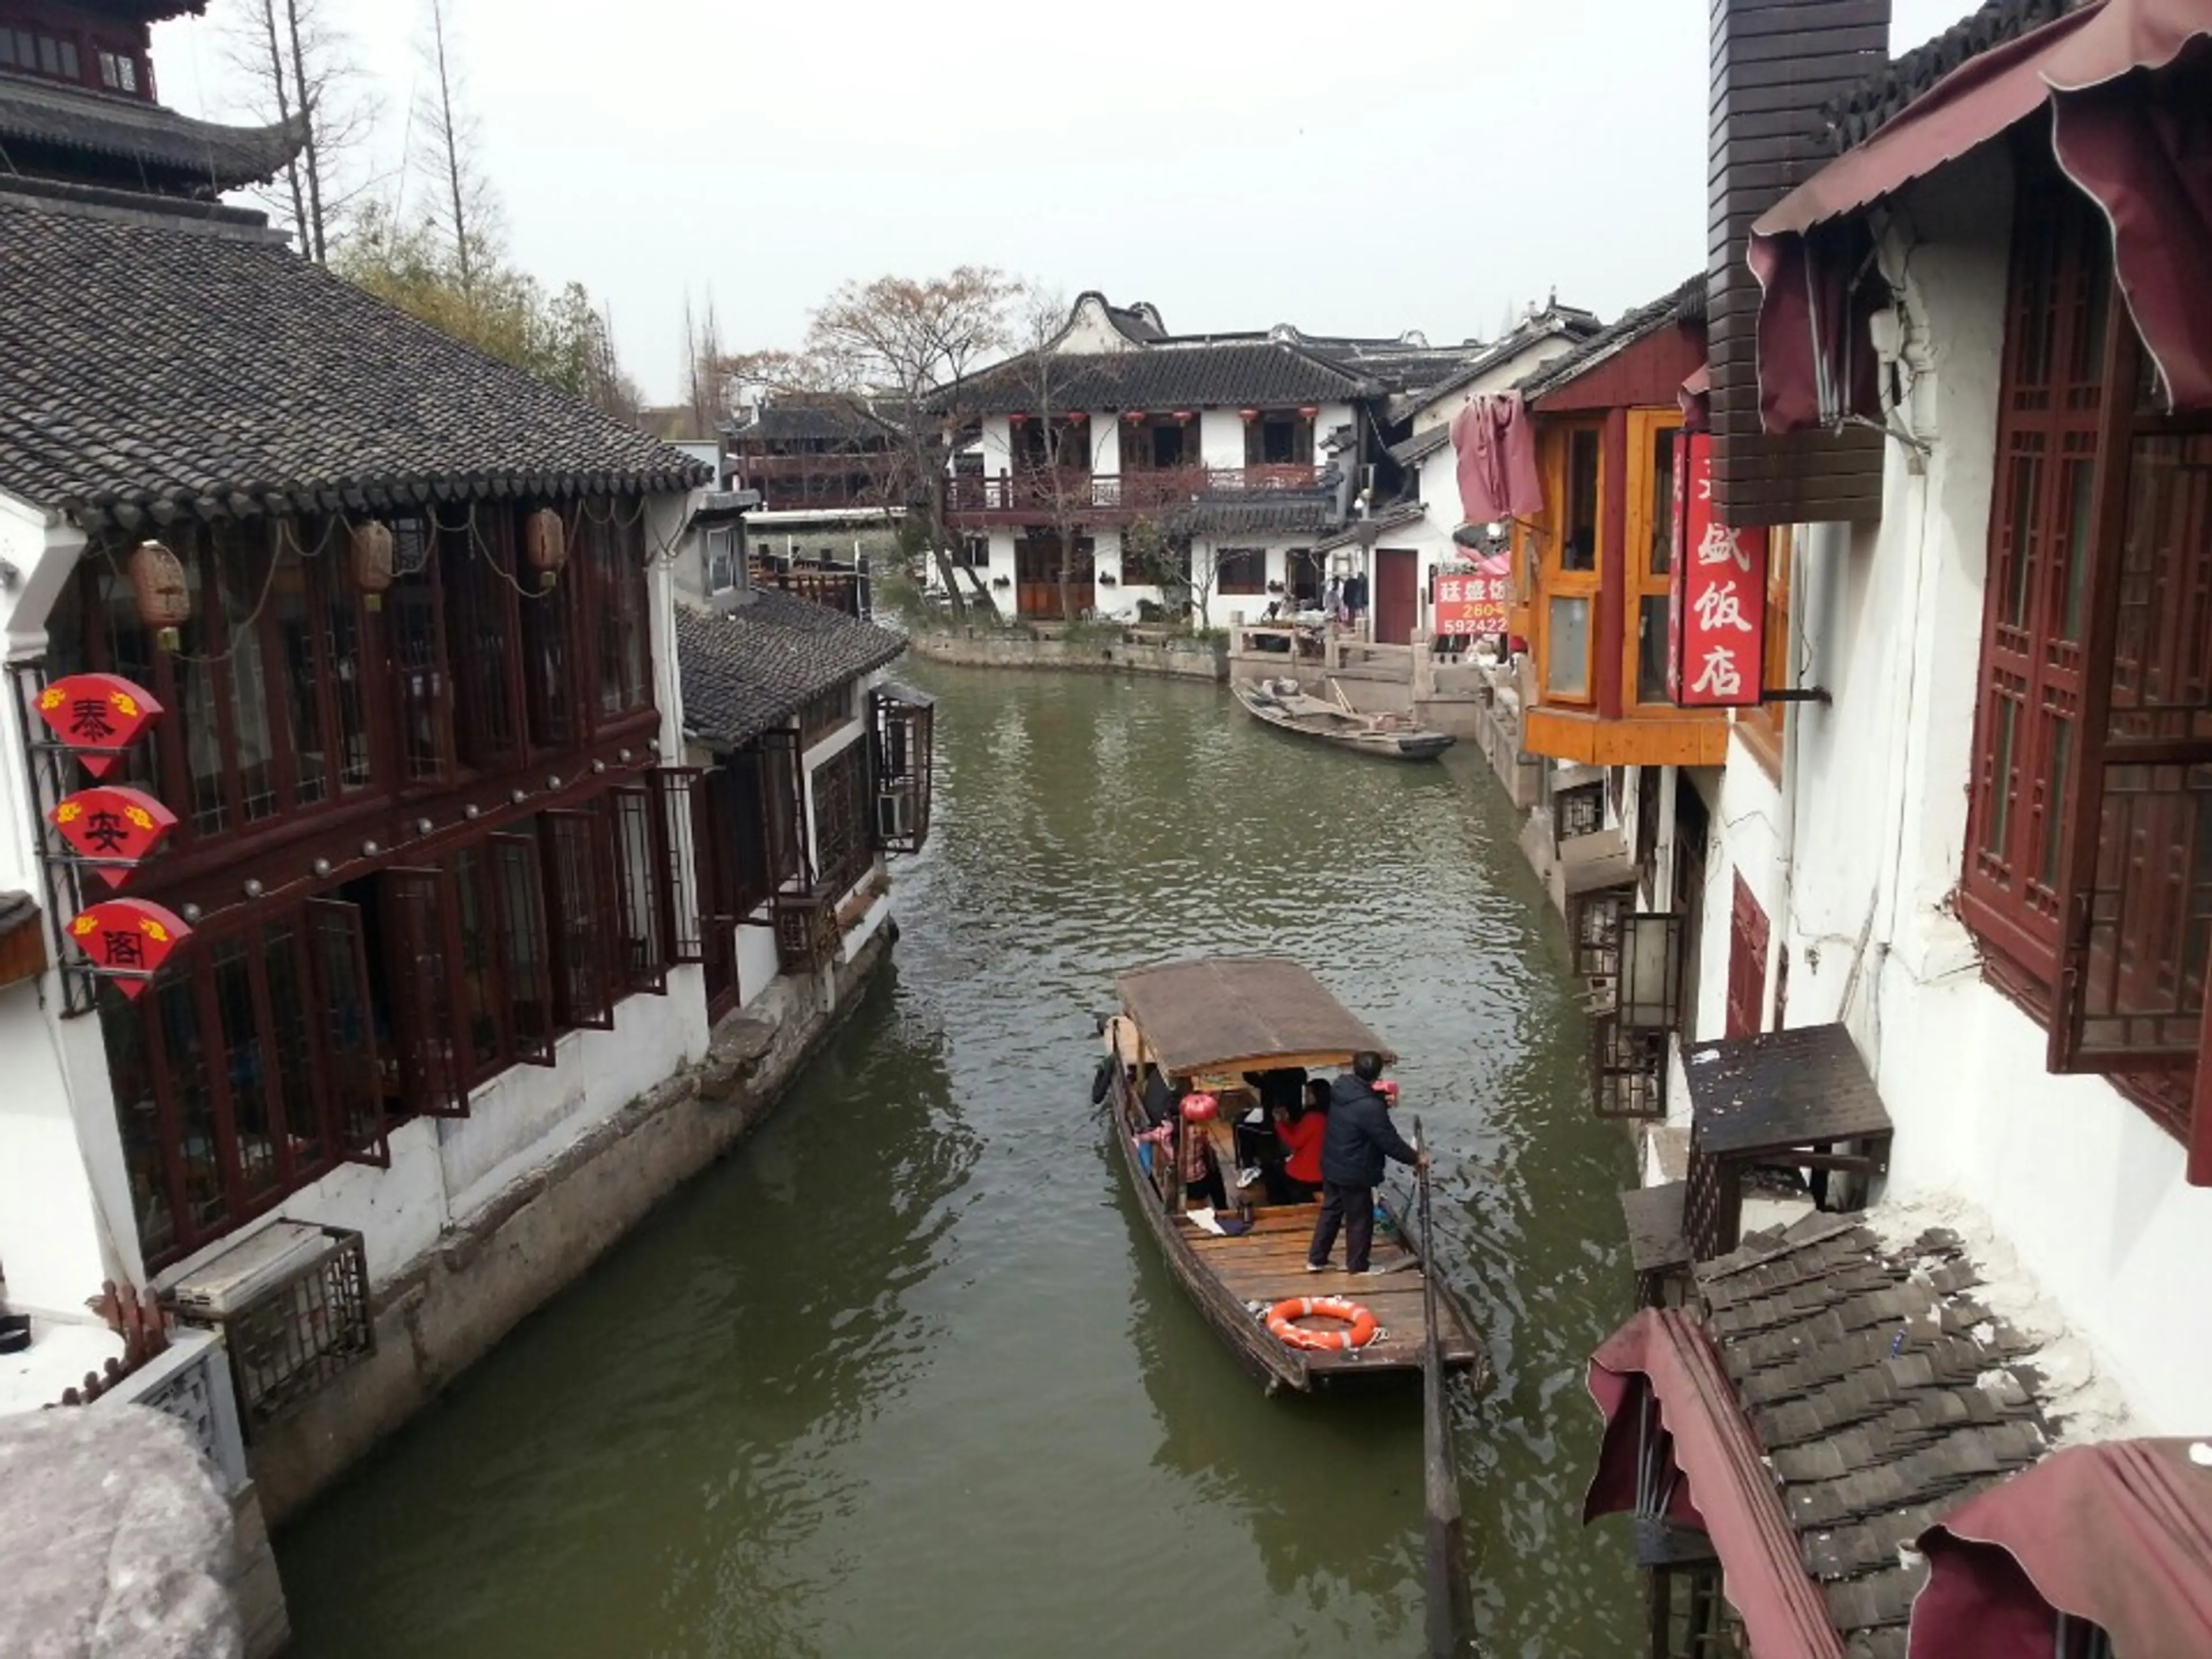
<point>1475,603</point>
<point>98,715</point>
<point>127,940</point>
<point>118,827</point>
<point>1716,639</point>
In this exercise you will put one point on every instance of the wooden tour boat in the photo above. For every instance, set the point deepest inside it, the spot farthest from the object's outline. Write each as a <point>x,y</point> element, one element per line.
<point>1202,1026</point>
<point>1284,704</point>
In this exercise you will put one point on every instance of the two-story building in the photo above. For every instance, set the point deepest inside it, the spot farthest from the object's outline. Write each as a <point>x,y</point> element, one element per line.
<point>363,941</point>
<point>1952,1036</point>
<point>1131,472</point>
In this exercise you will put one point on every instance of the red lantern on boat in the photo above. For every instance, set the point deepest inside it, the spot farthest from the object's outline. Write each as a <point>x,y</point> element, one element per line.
<point>1200,1109</point>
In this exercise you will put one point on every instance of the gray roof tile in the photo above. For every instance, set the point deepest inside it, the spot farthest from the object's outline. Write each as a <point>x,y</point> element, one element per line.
<point>164,149</point>
<point>745,672</point>
<point>155,361</point>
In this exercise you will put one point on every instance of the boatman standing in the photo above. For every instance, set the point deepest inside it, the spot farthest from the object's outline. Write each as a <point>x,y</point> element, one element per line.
<point>1360,1137</point>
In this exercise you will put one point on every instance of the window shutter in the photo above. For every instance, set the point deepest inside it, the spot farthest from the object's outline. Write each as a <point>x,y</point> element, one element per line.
<point>642,887</point>
<point>345,1026</point>
<point>1747,969</point>
<point>686,858</point>
<point>584,927</point>
<point>416,906</point>
<point>2136,908</point>
<point>517,888</point>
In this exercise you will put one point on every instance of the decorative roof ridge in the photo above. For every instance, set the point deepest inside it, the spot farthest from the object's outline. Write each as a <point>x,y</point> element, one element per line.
<point>1856,114</point>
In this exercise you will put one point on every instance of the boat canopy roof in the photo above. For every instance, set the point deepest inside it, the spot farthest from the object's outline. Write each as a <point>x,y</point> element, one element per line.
<point>1242,1013</point>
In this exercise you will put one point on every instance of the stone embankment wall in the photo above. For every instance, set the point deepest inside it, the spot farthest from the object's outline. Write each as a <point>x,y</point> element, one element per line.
<point>450,1307</point>
<point>1085,652</point>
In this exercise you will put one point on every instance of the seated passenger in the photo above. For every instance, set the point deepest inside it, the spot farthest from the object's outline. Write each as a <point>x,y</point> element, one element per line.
<point>1300,1132</point>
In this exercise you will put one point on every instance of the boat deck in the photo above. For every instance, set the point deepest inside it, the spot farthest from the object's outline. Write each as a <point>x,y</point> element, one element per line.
<point>1268,1265</point>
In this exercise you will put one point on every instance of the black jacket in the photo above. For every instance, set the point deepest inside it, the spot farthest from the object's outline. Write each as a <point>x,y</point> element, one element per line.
<point>1359,1137</point>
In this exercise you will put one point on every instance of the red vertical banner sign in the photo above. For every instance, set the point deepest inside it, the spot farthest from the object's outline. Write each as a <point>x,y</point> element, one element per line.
<point>1716,645</point>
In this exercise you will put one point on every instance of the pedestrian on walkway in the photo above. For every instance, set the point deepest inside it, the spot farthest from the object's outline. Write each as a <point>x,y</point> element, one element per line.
<point>1359,1139</point>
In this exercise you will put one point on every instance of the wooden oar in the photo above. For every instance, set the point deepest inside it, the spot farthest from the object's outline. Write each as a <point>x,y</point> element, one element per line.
<point>1450,1611</point>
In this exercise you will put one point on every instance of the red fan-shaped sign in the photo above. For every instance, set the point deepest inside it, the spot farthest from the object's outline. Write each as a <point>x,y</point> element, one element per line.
<point>110,823</point>
<point>129,938</point>
<point>99,715</point>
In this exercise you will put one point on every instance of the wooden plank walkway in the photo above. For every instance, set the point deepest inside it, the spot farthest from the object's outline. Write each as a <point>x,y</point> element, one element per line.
<point>1268,1265</point>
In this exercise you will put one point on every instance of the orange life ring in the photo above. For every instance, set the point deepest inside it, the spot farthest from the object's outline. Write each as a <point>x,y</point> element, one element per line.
<point>1362,1327</point>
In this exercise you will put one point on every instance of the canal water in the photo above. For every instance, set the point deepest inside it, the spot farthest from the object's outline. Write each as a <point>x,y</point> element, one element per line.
<point>903,1376</point>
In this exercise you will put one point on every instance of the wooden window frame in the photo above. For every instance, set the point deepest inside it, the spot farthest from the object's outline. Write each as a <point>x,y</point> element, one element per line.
<point>2051,408</point>
<point>1647,511</point>
<point>638,832</point>
<point>1257,557</point>
<point>1751,935</point>
<point>1553,579</point>
<point>841,797</point>
<point>421,941</point>
<point>1762,729</point>
<point>580,918</point>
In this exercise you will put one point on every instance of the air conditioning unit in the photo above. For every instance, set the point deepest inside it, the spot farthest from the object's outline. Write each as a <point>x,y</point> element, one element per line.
<point>895,814</point>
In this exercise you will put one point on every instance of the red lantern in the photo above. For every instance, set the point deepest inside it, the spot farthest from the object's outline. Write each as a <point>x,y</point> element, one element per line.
<point>546,540</point>
<point>371,561</point>
<point>1249,415</point>
<point>1079,417</point>
<point>1185,415</point>
<point>127,940</point>
<point>122,827</point>
<point>1133,415</point>
<point>98,715</point>
<point>1200,1109</point>
<point>165,598</point>
<point>1309,410</point>
<point>1020,419</point>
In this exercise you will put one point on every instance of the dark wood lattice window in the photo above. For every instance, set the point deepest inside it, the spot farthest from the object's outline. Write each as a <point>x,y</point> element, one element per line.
<point>844,828</point>
<point>2041,519</point>
<point>618,554</point>
<point>579,904</point>
<point>419,938</point>
<point>525,956</point>
<point>642,887</point>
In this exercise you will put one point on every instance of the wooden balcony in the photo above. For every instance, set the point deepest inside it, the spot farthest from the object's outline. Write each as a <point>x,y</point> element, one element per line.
<point>1042,495</point>
<point>843,591</point>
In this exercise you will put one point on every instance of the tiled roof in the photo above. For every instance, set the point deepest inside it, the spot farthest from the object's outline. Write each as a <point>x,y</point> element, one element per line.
<point>1166,377</point>
<point>1390,518</point>
<point>1555,322</point>
<point>16,910</point>
<point>1880,1390</point>
<point>1855,116</point>
<point>38,114</point>
<point>797,420</point>
<point>1263,514</point>
<point>151,360</point>
<point>745,672</point>
<point>1420,446</point>
<point>1685,304</point>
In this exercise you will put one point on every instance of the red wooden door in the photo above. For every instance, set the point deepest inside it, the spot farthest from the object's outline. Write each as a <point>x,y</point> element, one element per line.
<point>1746,973</point>
<point>1397,602</point>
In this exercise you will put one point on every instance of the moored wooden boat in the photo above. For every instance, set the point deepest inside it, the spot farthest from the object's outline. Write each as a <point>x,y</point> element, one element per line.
<point>1204,1024</point>
<point>1283,704</point>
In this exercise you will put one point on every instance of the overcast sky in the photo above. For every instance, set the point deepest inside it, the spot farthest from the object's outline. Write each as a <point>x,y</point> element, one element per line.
<point>1351,170</point>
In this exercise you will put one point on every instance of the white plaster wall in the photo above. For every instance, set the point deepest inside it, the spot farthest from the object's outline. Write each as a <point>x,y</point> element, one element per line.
<point>2087,1188</point>
<point>997,445</point>
<point>1221,437</point>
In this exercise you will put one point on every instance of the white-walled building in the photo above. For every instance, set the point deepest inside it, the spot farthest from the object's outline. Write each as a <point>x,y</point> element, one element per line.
<point>1129,472</point>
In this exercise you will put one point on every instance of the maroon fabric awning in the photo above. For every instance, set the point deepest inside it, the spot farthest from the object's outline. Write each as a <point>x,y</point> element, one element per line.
<point>2119,1535</point>
<point>2141,149</point>
<point>1662,1355</point>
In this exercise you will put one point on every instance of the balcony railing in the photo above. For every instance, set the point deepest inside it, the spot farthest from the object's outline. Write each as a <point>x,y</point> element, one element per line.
<point>1046,491</point>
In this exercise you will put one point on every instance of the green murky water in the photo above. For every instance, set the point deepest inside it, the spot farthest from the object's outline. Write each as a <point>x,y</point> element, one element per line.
<point>903,1375</point>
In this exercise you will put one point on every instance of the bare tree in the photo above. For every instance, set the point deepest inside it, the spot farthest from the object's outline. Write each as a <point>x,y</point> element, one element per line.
<point>465,212</point>
<point>704,371</point>
<point>900,351</point>
<point>295,67</point>
<point>1159,545</point>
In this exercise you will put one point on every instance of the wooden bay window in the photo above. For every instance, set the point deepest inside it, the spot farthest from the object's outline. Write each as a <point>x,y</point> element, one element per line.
<point>1567,563</point>
<point>2088,874</point>
<point>1654,444</point>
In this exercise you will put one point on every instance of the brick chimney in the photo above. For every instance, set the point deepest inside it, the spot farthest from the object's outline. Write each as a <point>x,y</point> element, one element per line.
<point>1775,63</point>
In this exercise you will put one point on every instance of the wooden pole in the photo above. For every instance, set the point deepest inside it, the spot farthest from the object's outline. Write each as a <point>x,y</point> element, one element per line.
<point>1449,1622</point>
